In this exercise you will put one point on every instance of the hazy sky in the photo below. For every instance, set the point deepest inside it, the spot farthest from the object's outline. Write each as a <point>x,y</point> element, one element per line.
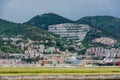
<point>23,10</point>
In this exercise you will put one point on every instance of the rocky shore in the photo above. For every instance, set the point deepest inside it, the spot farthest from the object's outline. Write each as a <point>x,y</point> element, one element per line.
<point>66,77</point>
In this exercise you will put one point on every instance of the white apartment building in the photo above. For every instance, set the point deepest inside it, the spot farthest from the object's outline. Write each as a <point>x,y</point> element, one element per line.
<point>70,30</point>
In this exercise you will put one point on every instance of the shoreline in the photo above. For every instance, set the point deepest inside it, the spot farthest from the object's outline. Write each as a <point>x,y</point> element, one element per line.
<point>64,77</point>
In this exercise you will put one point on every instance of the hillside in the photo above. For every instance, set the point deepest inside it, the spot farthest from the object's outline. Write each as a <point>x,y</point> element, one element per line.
<point>44,20</point>
<point>36,30</point>
<point>109,25</point>
<point>10,29</point>
<point>101,26</point>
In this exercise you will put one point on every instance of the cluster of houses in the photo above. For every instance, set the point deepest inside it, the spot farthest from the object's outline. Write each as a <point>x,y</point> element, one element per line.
<point>106,56</point>
<point>59,59</point>
<point>37,54</point>
<point>93,56</point>
<point>105,40</point>
<point>99,52</point>
<point>42,55</point>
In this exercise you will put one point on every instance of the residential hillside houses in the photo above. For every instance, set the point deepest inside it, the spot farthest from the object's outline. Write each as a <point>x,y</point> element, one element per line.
<point>105,40</point>
<point>101,53</point>
<point>41,55</point>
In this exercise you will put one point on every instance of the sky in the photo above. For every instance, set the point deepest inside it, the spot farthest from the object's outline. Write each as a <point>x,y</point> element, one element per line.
<point>22,10</point>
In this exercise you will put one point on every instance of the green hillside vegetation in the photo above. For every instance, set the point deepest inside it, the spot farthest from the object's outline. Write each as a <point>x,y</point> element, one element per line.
<point>10,29</point>
<point>92,34</point>
<point>101,26</point>
<point>109,25</point>
<point>44,20</point>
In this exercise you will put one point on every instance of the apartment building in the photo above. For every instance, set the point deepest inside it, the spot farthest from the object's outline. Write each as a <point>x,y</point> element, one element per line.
<point>102,52</point>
